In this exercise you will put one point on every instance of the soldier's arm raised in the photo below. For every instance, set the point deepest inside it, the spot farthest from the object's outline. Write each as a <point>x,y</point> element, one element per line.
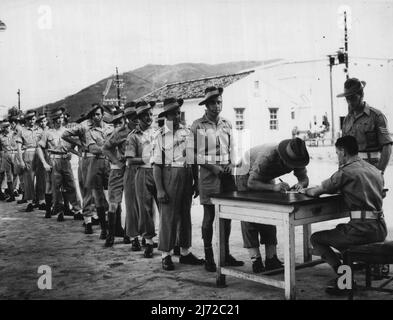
<point>70,134</point>
<point>109,149</point>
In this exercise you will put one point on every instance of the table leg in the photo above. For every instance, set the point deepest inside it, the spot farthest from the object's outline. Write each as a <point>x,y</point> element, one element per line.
<point>307,256</point>
<point>289,260</point>
<point>220,249</point>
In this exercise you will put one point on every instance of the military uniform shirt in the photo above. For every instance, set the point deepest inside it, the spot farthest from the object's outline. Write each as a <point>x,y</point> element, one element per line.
<point>98,135</point>
<point>369,129</point>
<point>29,137</point>
<point>79,131</point>
<point>51,139</point>
<point>360,183</point>
<point>268,164</point>
<point>118,140</point>
<point>8,142</point>
<point>213,141</point>
<point>173,144</point>
<point>140,144</point>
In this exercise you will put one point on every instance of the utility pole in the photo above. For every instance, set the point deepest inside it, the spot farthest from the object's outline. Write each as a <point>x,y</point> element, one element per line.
<point>18,93</point>
<point>118,88</point>
<point>346,45</point>
<point>331,64</point>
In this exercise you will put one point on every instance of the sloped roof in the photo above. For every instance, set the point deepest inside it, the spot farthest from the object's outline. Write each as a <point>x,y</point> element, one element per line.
<point>193,89</point>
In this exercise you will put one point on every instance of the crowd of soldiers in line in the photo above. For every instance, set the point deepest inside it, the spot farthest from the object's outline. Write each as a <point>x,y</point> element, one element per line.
<point>169,165</point>
<point>122,153</point>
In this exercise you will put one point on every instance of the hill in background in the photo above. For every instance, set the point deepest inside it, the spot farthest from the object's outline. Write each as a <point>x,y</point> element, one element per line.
<point>143,80</point>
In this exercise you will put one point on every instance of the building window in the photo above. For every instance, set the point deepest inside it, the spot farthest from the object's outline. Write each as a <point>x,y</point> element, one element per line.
<point>239,118</point>
<point>273,118</point>
<point>182,117</point>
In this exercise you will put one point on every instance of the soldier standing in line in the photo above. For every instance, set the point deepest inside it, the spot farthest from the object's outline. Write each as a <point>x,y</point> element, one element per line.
<point>27,140</point>
<point>81,184</point>
<point>139,152</point>
<point>58,167</point>
<point>132,213</point>
<point>176,183</point>
<point>80,133</point>
<point>369,126</point>
<point>72,198</point>
<point>98,167</point>
<point>16,126</point>
<point>214,150</point>
<point>8,149</point>
<point>42,184</point>
<point>114,150</point>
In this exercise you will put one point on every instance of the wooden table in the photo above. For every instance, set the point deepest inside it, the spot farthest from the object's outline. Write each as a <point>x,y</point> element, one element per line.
<point>285,210</point>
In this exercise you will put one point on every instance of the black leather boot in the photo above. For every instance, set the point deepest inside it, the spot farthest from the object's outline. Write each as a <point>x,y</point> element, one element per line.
<point>10,192</point>
<point>230,260</point>
<point>101,218</point>
<point>88,228</point>
<point>2,195</point>
<point>119,231</point>
<point>60,216</point>
<point>48,202</point>
<point>110,239</point>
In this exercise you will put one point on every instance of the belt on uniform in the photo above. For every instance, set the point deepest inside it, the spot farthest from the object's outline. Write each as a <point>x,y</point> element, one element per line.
<point>215,158</point>
<point>58,156</point>
<point>176,165</point>
<point>30,149</point>
<point>149,166</point>
<point>369,155</point>
<point>365,214</point>
<point>114,166</point>
<point>92,155</point>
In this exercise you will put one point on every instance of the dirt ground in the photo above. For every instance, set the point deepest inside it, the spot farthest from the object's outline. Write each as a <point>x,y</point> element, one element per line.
<point>83,269</point>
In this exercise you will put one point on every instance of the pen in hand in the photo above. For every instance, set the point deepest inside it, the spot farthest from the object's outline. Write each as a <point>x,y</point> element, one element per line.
<point>284,185</point>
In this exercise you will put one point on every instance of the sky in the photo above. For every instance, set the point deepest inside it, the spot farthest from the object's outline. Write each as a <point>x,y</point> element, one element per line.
<point>54,48</point>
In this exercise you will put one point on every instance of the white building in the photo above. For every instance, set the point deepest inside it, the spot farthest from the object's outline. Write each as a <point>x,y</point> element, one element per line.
<point>269,101</point>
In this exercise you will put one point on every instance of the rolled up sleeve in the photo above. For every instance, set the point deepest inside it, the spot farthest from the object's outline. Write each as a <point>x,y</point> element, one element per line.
<point>383,131</point>
<point>334,183</point>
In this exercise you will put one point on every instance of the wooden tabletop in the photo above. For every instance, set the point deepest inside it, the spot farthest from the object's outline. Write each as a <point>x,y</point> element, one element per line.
<point>274,197</point>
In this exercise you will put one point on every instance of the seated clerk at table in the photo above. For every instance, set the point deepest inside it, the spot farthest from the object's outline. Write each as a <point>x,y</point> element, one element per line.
<point>361,185</point>
<point>268,162</point>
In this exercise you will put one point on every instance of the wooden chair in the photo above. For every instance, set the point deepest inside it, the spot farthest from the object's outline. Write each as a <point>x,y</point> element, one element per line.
<point>369,254</point>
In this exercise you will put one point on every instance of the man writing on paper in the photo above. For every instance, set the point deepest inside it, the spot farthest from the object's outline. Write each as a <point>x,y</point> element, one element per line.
<point>267,162</point>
